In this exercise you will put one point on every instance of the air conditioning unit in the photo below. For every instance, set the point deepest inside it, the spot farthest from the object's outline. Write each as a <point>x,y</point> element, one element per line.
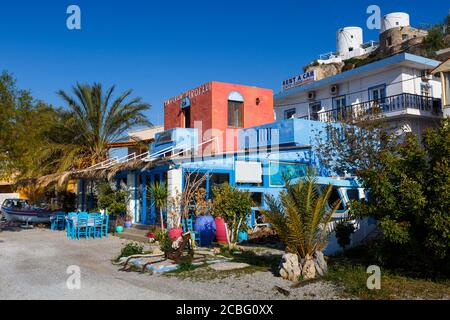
<point>334,89</point>
<point>311,95</point>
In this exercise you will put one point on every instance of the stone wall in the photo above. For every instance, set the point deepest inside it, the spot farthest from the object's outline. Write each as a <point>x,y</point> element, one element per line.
<point>325,70</point>
<point>398,39</point>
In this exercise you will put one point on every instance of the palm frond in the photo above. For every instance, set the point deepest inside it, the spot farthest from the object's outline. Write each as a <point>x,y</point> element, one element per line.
<point>301,215</point>
<point>90,122</point>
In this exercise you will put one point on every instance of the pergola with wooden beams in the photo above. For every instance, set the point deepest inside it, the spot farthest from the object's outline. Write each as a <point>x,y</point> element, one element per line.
<point>444,72</point>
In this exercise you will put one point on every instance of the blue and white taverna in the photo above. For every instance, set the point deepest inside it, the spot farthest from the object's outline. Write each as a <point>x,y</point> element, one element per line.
<point>264,155</point>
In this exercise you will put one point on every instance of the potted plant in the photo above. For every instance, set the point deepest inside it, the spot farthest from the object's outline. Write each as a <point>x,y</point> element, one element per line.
<point>128,221</point>
<point>113,202</point>
<point>231,208</point>
<point>204,222</point>
<point>119,224</point>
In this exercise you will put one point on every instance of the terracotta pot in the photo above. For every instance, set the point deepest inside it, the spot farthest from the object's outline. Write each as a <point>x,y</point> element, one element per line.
<point>175,233</point>
<point>221,231</point>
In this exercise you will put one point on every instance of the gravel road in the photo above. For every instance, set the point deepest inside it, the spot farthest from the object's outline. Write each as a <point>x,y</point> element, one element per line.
<point>33,265</point>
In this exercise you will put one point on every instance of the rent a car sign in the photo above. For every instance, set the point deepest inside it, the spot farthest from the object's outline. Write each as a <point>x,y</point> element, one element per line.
<point>299,80</point>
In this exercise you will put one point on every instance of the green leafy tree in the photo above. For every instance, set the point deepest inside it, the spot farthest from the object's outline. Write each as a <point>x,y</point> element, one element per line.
<point>301,215</point>
<point>447,24</point>
<point>233,206</point>
<point>434,41</point>
<point>23,124</point>
<point>113,201</point>
<point>408,182</point>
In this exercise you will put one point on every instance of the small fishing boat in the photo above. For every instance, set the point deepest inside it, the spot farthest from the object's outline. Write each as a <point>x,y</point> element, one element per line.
<point>20,210</point>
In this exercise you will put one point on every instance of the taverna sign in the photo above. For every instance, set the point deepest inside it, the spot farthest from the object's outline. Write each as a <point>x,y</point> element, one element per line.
<point>190,94</point>
<point>299,80</point>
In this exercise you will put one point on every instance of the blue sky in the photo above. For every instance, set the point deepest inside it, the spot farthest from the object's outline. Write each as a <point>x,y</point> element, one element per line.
<point>162,48</point>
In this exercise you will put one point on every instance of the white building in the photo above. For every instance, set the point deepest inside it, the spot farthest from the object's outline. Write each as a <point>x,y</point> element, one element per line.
<point>399,85</point>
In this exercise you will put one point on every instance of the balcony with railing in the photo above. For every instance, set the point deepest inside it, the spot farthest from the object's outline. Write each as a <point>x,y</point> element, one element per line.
<point>399,104</point>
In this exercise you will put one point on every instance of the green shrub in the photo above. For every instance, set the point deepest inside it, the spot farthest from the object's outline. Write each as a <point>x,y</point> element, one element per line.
<point>114,201</point>
<point>185,265</point>
<point>344,230</point>
<point>132,248</point>
<point>233,206</point>
<point>409,190</point>
<point>164,241</point>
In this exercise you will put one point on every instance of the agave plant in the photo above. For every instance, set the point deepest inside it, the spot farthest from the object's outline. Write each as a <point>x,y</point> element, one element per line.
<point>300,216</point>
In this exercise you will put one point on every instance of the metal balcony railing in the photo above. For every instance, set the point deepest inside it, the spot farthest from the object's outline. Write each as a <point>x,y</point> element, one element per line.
<point>381,106</point>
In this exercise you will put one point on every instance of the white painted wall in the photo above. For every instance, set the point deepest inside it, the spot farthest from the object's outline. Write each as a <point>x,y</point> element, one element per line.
<point>363,230</point>
<point>174,181</point>
<point>133,203</point>
<point>174,185</point>
<point>4,196</point>
<point>398,80</point>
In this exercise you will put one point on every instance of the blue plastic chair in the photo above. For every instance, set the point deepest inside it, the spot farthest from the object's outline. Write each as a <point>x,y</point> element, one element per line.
<point>71,221</point>
<point>190,226</point>
<point>82,227</point>
<point>69,228</point>
<point>96,228</point>
<point>61,220</point>
<point>53,223</point>
<point>105,225</point>
<point>58,221</point>
<point>95,214</point>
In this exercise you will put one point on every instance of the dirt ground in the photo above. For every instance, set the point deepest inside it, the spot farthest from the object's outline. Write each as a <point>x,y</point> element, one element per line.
<point>34,265</point>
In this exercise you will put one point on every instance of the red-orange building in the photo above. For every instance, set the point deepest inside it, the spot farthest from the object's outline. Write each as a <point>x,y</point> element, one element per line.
<point>218,110</point>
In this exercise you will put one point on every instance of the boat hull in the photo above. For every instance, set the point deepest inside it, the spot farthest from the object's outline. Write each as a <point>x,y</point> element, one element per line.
<point>30,216</point>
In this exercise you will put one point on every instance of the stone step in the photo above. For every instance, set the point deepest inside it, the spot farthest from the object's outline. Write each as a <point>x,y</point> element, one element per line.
<point>136,231</point>
<point>139,226</point>
<point>133,236</point>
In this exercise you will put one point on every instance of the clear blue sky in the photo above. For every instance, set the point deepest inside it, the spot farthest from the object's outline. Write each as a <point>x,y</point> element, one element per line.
<point>162,48</point>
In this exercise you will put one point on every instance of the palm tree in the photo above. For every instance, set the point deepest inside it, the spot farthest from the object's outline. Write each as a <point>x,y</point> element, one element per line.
<point>91,121</point>
<point>158,193</point>
<point>301,215</point>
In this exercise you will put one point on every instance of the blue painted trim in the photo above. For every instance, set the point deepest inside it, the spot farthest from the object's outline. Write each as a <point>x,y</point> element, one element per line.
<point>266,173</point>
<point>341,97</point>
<point>149,176</point>
<point>289,110</point>
<point>368,67</point>
<point>152,207</point>
<point>370,89</point>
<point>144,199</point>
<point>341,195</point>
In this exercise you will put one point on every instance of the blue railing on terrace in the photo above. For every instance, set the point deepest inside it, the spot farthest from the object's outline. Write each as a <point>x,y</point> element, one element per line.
<point>394,103</point>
